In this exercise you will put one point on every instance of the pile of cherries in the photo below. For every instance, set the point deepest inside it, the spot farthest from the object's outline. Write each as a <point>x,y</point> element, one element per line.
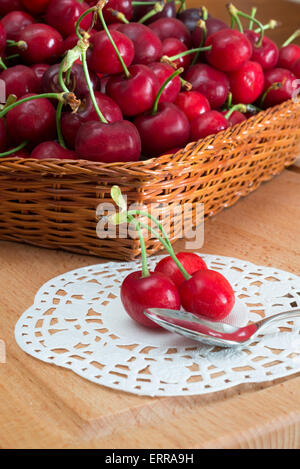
<point>124,80</point>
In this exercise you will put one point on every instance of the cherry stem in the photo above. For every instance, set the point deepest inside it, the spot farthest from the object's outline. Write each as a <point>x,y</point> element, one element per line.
<point>271,25</point>
<point>58,124</point>
<point>20,44</point>
<point>274,86</point>
<point>58,96</point>
<point>2,64</point>
<point>291,38</point>
<point>188,52</point>
<point>90,87</point>
<point>173,75</point>
<point>137,225</point>
<point>84,14</point>
<point>182,6</point>
<point>119,16</point>
<point>234,17</point>
<point>142,3</point>
<point>253,13</point>
<point>61,79</point>
<point>126,71</point>
<point>238,107</point>
<point>202,25</point>
<point>158,7</point>
<point>14,150</point>
<point>236,13</point>
<point>204,13</point>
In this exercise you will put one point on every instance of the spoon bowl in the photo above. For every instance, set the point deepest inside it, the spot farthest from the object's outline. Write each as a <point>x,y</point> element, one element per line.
<point>208,332</point>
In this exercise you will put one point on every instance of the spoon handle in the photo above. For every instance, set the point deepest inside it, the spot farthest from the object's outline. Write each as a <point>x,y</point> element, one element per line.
<point>293,313</point>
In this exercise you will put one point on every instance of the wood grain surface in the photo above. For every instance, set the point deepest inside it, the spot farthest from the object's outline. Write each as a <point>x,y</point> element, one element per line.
<point>43,406</point>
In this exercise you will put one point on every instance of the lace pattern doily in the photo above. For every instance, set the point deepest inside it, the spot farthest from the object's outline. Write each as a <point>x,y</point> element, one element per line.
<point>77,322</point>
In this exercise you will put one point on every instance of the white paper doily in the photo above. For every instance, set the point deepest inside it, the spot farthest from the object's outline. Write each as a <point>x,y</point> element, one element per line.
<point>77,322</point>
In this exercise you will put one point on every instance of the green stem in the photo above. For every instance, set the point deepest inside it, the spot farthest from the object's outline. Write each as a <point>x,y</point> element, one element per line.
<point>13,56</point>
<point>30,98</point>
<point>236,13</point>
<point>14,150</point>
<point>58,124</point>
<point>119,16</point>
<point>238,107</point>
<point>90,87</point>
<point>253,13</point>
<point>2,64</point>
<point>137,225</point>
<point>158,7</point>
<point>188,52</point>
<point>291,38</point>
<point>271,25</point>
<point>182,6</point>
<point>173,75</point>
<point>84,14</point>
<point>274,86</point>
<point>126,71</point>
<point>234,17</point>
<point>143,3</point>
<point>61,79</point>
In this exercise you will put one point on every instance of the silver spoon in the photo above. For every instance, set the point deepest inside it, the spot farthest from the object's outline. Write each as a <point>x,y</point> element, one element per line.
<point>211,332</point>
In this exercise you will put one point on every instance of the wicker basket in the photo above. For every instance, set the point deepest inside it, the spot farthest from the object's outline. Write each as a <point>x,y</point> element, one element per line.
<point>52,203</point>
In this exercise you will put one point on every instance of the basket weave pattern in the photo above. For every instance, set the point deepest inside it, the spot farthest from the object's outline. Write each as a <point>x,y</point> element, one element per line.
<point>52,203</point>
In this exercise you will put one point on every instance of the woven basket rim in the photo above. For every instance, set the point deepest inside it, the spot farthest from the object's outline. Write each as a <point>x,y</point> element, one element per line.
<point>161,163</point>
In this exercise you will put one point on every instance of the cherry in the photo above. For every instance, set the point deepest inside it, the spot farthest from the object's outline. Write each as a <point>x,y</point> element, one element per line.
<point>296,69</point>
<point>153,291</point>
<point>165,129</point>
<point>52,150</point>
<point>209,123</point>
<point>42,44</point>
<point>2,38</point>
<point>14,22</point>
<point>147,45</point>
<point>235,118</point>
<point>192,103</point>
<point>36,6</point>
<point>33,120</point>
<point>288,55</point>
<point>207,293</point>
<point>247,83</point>
<point>230,49</point>
<point>104,58</point>
<point>71,122</point>
<point>63,14</point>
<point>283,92</point>
<point>190,17</point>
<point>122,6</point>
<point>267,54</point>
<point>171,27</point>
<point>212,83</point>
<point>173,46</point>
<point>6,6</point>
<point>39,71</point>
<point>20,80</point>
<point>172,151</point>
<point>119,141</point>
<point>134,94</point>
<point>139,11</point>
<point>190,261</point>
<point>3,136</point>
<point>162,71</point>
<point>213,25</point>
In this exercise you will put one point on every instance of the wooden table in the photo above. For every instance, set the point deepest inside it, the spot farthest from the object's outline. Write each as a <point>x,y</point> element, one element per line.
<point>42,406</point>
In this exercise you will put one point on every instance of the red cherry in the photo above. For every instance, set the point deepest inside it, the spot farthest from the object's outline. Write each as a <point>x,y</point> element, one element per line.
<point>286,91</point>
<point>3,136</point>
<point>14,22</point>
<point>147,46</point>
<point>71,122</point>
<point>190,261</point>
<point>163,130</point>
<point>172,151</point>
<point>247,83</point>
<point>296,69</point>
<point>213,25</point>
<point>173,46</point>
<point>230,50</point>
<point>52,150</point>
<point>169,11</point>
<point>235,118</point>
<point>63,14</point>
<point>33,120</point>
<point>171,27</point>
<point>108,143</point>
<point>104,59</point>
<point>206,124</point>
<point>288,55</point>
<point>6,6</point>
<point>208,293</point>
<point>20,80</point>
<point>39,71</point>
<point>192,103</point>
<point>2,38</point>
<point>212,83</point>
<point>135,94</point>
<point>162,71</point>
<point>267,54</point>
<point>155,291</point>
<point>43,44</point>
<point>122,6</point>
<point>36,6</point>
